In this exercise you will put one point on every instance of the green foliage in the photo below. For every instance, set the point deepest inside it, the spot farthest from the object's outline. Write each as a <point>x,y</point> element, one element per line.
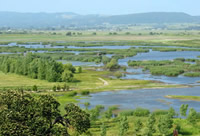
<point>127,113</point>
<point>95,113</point>
<point>164,67</point>
<point>69,67</point>
<point>86,104</point>
<point>67,76</point>
<point>113,64</point>
<point>77,118</point>
<point>192,116</point>
<point>22,114</point>
<point>172,112</point>
<point>160,112</point>
<point>109,112</point>
<point>85,92</point>
<point>72,94</point>
<point>103,130</point>
<point>193,74</point>
<point>65,87</point>
<point>79,69</point>
<point>165,124</point>
<point>151,125</point>
<point>140,112</point>
<point>183,109</point>
<point>69,34</point>
<point>118,74</point>
<point>54,88</point>
<point>35,88</point>
<point>37,68</point>
<point>123,126</point>
<point>137,126</point>
<point>58,87</point>
<point>105,60</point>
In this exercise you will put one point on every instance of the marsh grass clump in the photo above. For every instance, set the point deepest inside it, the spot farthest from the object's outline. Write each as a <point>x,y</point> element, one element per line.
<point>193,74</point>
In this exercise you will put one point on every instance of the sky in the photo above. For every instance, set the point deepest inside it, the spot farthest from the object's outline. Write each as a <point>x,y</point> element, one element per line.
<point>104,7</point>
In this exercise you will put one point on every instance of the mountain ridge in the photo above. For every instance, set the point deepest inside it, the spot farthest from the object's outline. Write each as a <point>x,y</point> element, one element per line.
<point>43,19</point>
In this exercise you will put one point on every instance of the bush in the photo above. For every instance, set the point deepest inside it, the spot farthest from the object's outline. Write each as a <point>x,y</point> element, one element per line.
<point>35,88</point>
<point>160,112</point>
<point>140,112</point>
<point>85,92</point>
<point>72,94</point>
<point>127,113</point>
<point>118,74</point>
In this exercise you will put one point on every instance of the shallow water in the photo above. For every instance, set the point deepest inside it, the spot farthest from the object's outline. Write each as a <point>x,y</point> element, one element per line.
<point>139,74</point>
<point>156,55</point>
<point>151,99</point>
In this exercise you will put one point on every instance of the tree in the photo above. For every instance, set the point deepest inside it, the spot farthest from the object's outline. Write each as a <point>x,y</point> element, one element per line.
<point>79,69</point>
<point>41,69</point>
<point>65,87</point>
<point>118,74</point>
<point>95,112</point>
<point>35,88</point>
<point>105,60</point>
<point>192,116</point>
<point>54,88</point>
<point>165,124</point>
<point>172,112</point>
<point>67,76</point>
<point>151,125</point>
<point>32,70</point>
<point>69,34</point>
<point>58,88</point>
<point>183,109</point>
<point>23,114</point>
<point>113,64</point>
<point>69,67</point>
<point>76,118</point>
<point>27,115</point>
<point>123,126</point>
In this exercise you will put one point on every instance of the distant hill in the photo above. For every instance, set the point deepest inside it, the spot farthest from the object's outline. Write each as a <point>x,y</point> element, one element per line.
<point>40,20</point>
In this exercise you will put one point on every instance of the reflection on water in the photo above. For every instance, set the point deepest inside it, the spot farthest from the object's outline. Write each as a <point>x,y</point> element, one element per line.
<point>151,99</point>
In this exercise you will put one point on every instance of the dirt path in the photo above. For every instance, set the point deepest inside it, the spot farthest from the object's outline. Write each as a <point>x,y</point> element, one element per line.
<point>104,82</point>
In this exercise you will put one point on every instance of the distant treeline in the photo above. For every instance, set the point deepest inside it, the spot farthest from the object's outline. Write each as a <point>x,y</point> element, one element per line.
<point>37,68</point>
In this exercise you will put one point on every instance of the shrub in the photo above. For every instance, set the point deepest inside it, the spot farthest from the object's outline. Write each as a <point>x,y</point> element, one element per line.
<point>35,88</point>
<point>72,94</point>
<point>85,92</point>
<point>140,112</point>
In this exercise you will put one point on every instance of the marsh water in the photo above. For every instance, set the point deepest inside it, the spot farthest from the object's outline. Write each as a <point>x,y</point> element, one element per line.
<point>145,75</point>
<point>157,55</point>
<point>152,99</point>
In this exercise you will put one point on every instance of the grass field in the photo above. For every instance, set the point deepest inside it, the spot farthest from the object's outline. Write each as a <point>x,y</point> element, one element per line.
<point>113,127</point>
<point>188,98</point>
<point>167,37</point>
<point>87,80</point>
